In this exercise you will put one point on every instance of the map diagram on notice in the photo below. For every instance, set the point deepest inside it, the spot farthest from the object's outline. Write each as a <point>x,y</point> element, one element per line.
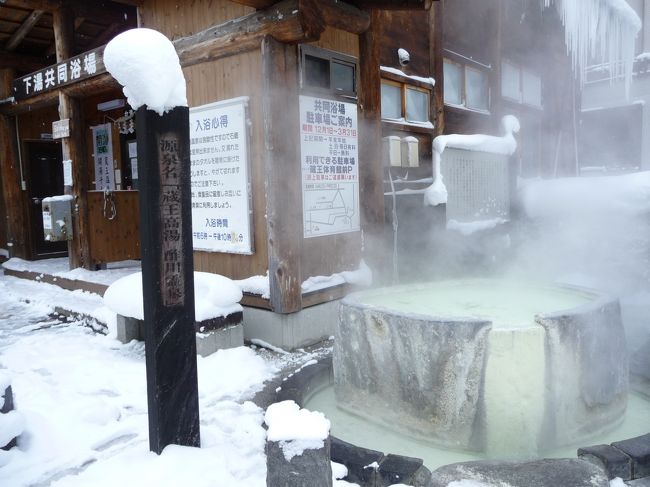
<point>330,171</point>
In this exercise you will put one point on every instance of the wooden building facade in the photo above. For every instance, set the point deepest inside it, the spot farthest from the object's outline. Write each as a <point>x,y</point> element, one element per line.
<point>325,87</point>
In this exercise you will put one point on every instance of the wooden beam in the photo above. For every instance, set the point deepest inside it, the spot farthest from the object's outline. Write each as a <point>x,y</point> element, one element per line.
<point>436,61</point>
<point>77,23</point>
<point>371,171</point>
<point>22,63</point>
<point>282,22</point>
<point>73,147</point>
<point>282,163</point>
<point>258,4</point>
<point>344,16</point>
<point>48,5</point>
<point>393,4</point>
<point>11,180</point>
<point>23,30</point>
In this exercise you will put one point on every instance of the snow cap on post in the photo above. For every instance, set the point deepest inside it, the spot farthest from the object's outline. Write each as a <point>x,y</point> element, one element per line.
<point>146,64</point>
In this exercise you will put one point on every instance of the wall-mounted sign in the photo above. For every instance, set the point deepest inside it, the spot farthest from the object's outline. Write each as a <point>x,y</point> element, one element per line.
<point>221,189</point>
<point>61,128</point>
<point>103,153</point>
<point>330,166</point>
<point>67,173</point>
<point>71,70</point>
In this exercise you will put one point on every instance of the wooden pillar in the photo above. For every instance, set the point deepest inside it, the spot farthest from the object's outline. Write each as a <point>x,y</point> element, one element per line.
<point>436,56</point>
<point>283,183</point>
<point>371,171</point>
<point>73,146</point>
<point>11,179</point>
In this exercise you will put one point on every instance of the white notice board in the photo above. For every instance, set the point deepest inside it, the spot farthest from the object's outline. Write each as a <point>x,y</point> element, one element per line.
<point>221,190</point>
<point>329,156</point>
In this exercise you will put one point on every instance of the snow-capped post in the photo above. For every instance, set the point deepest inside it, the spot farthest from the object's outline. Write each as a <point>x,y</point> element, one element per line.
<point>145,62</point>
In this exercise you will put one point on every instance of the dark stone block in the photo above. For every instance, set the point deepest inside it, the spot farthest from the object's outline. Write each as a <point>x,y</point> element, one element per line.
<point>357,460</point>
<point>638,449</point>
<point>397,469</point>
<point>8,403</point>
<point>311,469</point>
<point>644,482</point>
<point>301,384</point>
<point>614,461</point>
<point>539,473</point>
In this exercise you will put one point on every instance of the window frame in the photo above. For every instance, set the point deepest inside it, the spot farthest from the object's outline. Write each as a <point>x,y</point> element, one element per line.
<point>332,57</point>
<point>521,69</point>
<point>464,67</point>
<point>404,83</point>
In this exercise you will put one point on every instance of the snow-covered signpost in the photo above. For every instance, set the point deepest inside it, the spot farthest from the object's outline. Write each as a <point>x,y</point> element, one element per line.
<point>146,64</point>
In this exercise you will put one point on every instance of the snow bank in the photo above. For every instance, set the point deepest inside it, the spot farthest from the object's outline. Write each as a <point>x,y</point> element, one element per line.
<point>256,285</point>
<point>361,277</point>
<point>214,296</point>
<point>469,228</point>
<point>146,64</point>
<point>296,429</point>
<point>436,194</point>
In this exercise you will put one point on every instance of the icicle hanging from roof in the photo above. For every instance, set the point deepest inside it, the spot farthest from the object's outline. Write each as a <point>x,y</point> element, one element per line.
<point>612,22</point>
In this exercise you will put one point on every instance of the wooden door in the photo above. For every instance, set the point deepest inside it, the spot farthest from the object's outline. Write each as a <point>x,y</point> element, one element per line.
<point>44,178</point>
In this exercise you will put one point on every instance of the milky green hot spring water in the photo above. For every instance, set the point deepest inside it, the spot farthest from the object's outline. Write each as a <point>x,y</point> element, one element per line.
<point>485,367</point>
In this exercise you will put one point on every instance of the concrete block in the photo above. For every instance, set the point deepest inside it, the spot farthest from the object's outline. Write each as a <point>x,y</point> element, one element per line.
<point>397,469</point>
<point>228,337</point>
<point>611,459</point>
<point>638,449</point>
<point>291,331</point>
<point>362,463</point>
<point>539,473</point>
<point>313,468</point>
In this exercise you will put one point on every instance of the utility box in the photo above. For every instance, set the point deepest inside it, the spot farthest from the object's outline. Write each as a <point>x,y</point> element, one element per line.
<point>391,151</point>
<point>57,218</point>
<point>410,155</point>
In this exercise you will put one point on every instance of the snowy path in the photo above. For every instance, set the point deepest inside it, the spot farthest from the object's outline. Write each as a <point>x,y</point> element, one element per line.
<point>83,396</point>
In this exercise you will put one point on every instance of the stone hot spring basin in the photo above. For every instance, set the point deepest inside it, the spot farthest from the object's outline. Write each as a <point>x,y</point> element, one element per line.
<point>506,368</point>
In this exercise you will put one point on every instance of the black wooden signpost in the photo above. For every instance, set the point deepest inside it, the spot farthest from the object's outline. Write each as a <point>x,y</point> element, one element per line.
<point>168,277</point>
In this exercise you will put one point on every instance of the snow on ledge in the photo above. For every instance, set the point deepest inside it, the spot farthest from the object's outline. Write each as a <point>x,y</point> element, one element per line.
<point>436,194</point>
<point>469,228</point>
<point>399,72</point>
<point>260,284</point>
<point>146,64</point>
<point>214,296</point>
<point>295,429</point>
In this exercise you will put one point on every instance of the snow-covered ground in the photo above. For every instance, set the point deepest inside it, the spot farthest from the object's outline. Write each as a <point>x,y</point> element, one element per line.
<point>83,399</point>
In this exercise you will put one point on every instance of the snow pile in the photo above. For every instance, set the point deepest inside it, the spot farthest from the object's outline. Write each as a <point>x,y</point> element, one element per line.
<point>295,429</point>
<point>436,194</point>
<point>145,62</point>
<point>256,285</point>
<point>613,22</point>
<point>83,398</point>
<point>469,228</point>
<point>360,277</point>
<point>214,296</point>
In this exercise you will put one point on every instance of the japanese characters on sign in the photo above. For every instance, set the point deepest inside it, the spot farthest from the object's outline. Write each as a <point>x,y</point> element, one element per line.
<point>103,153</point>
<point>172,270</point>
<point>330,166</point>
<point>220,178</point>
<point>83,66</point>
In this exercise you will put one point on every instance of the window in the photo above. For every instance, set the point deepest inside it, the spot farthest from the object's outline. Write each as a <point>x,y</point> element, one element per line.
<point>521,85</point>
<point>328,71</point>
<point>400,101</point>
<point>466,85</point>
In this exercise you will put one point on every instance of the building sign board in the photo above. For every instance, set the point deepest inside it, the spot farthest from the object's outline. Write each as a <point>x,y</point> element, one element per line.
<point>221,188</point>
<point>61,128</point>
<point>103,153</point>
<point>330,166</point>
<point>77,68</point>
